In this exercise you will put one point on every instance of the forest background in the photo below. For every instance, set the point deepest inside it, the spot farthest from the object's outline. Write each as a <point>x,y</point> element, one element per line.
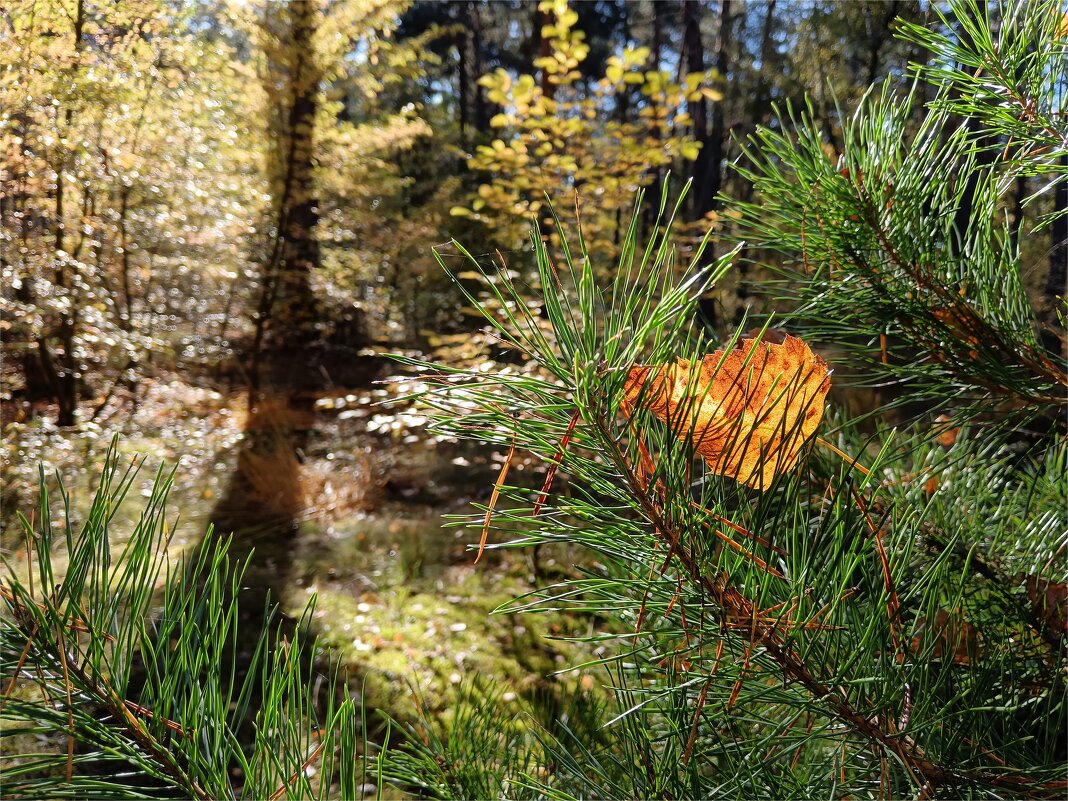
<point>217,219</point>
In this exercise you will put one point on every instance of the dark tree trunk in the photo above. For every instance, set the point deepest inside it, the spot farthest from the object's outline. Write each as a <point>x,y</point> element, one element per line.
<point>64,375</point>
<point>878,35</point>
<point>761,104</point>
<point>1057,276</point>
<point>717,135</point>
<point>474,20</point>
<point>658,35</point>
<point>694,60</point>
<point>544,49</point>
<point>463,68</point>
<point>13,207</point>
<point>126,320</point>
<point>287,336</point>
<point>708,170</point>
<point>298,310</point>
<point>656,185</point>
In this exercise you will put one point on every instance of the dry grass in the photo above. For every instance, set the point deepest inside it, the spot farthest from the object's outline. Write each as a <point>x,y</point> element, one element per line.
<point>291,487</point>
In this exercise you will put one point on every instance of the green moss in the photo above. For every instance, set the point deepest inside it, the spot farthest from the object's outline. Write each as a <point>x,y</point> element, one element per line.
<point>410,623</point>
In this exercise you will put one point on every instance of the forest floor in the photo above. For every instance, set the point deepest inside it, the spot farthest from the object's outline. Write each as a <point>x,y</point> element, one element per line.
<point>374,522</point>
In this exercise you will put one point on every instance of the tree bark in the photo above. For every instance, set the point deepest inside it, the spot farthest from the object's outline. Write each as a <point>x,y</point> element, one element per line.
<point>481,111</point>
<point>543,50</point>
<point>288,316</point>
<point>462,68</point>
<point>878,35</point>
<point>762,96</point>
<point>717,135</point>
<point>298,309</point>
<point>656,185</point>
<point>694,50</point>
<point>64,378</point>
<point>1057,276</point>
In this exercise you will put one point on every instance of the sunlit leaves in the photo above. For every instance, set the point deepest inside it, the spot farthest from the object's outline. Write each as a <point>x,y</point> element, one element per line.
<point>746,411</point>
<point>140,128</point>
<point>555,131</point>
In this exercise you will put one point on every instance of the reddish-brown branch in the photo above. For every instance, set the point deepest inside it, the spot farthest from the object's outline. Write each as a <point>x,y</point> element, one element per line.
<point>734,606</point>
<point>493,499</point>
<point>551,472</point>
<point>314,755</point>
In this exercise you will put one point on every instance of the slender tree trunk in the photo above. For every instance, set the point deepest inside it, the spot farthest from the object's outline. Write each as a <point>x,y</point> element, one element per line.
<point>715,143</point>
<point>474,19</point>
<point>126,320</point>
<point>760,102</point>
<point>762,96</point>
<point>462,68</point>
<point>300,252</point>
<point>658,35</point>
<point>544,49</point>
<point>878,35</point>
<point>288,313</point>
<point>717,136</point>
<point>64,376</point>
<point>656,186</point>
<point>1057,276</point>
<point>14,207</point>
<point>694,51</point>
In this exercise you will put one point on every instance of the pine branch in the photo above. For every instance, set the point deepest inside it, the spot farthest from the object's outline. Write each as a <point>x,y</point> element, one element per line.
<point>736,608</point>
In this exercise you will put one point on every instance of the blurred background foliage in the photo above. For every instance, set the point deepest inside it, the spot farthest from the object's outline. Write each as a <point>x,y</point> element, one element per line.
<point>159,160</point>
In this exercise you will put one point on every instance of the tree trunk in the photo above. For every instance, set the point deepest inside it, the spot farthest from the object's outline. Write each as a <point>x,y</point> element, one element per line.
<point>298,310</point>
<point>126,320</point>
<point>762,96</point>
<point>693,47</point>
<point>1057,276</point>
<point>656,185</point>
<point>715,143</point>
<point>474,19</point>
<point>878,35</point>
<point>544,49</point>
<point>462,68</point>
<point>64,378</point>
<point>760,102</point>
<point>717,136</point>
<point>287,333</point>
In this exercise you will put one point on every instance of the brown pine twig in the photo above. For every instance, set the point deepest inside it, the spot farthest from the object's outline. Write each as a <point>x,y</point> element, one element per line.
<point>697,717</point>
<point>733,605</point>
<point>70,703</point>
<point>555,465</point>
<point>493,499</point>
<point>170,724</point>
<point>314,755</point>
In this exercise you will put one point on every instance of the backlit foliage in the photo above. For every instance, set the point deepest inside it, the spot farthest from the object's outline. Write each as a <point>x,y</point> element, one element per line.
<point>125,179</point>
<point>557,133</point>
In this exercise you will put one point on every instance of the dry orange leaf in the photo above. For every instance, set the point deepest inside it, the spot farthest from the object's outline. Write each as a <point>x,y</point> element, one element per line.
<point>749,418</point>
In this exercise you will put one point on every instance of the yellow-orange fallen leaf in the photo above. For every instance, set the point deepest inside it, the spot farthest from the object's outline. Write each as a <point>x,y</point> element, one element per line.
<point>747,412</point>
